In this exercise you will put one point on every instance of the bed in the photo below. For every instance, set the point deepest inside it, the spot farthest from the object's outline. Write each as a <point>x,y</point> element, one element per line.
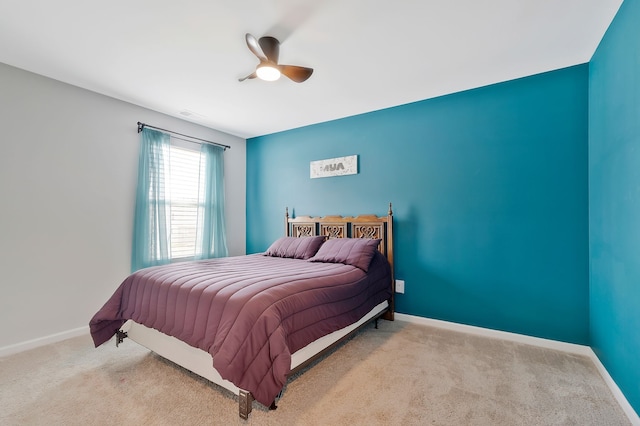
<point>246,323</point>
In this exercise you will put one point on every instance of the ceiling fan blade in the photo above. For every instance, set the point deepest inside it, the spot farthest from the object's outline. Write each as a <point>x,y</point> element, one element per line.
<point>254,47</point>
<point>295,73</point>
<point>252,75</point>
<point>271,48</point>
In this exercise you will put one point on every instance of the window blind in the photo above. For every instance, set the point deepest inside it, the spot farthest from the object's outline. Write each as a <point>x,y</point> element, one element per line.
<point>186,187</point>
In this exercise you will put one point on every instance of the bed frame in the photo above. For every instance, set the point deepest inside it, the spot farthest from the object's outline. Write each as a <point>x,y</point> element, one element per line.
<point>363,226</point>
<point>199,361</point>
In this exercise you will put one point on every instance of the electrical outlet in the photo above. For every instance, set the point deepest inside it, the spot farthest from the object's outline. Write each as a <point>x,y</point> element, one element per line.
<point>399,286</point>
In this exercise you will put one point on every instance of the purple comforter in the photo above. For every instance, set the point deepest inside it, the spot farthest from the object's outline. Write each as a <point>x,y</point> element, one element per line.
<point>249,312</point>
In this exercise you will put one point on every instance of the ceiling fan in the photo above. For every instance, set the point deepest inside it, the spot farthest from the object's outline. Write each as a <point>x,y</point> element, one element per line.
<point>267,49</point>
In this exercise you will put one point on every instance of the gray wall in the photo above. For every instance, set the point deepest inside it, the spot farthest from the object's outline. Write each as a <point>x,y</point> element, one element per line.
<point>68,170</point>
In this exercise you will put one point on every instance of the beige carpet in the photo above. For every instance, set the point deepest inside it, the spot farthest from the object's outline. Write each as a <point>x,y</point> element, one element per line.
<point>400,374</point>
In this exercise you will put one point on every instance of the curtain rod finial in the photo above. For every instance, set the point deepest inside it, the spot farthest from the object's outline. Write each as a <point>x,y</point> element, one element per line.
<point>140,126</point>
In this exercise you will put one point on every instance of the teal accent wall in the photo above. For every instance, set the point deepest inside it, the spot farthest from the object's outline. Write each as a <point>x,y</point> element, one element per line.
<point>489,192</point>
<point>614,206</point>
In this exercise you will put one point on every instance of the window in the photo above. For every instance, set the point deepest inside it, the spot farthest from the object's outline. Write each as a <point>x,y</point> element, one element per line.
<point>179,202</point>
<point>186,191</point>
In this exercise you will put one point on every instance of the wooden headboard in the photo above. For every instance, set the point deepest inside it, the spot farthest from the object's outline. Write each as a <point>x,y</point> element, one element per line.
<point>362,226</point>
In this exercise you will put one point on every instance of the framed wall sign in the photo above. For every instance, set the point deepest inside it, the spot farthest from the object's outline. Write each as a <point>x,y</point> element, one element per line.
<point>339,166</point>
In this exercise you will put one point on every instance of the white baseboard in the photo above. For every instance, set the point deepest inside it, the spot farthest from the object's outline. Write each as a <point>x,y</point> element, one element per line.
<point>617,393</point>
<point>496,334</point>
<point>534,341</point>
<point>41,341</point>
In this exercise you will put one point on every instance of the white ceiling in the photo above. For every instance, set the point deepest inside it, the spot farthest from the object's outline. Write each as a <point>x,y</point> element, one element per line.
<point>186,56</point>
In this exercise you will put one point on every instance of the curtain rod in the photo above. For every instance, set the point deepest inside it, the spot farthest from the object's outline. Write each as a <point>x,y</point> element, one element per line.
<point>143,125</point>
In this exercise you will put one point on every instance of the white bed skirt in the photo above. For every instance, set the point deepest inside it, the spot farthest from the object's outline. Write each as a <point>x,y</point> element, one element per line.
<point>200,362</point>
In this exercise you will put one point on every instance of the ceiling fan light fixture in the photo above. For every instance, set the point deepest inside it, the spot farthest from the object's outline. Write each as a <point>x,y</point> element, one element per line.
<point>267,50</point>
<point>268,72</point>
